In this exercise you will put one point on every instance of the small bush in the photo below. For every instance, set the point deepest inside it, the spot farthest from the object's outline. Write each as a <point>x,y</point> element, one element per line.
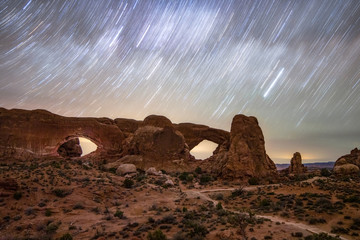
<point>205,178</point>
<point>78,206</point>
<point>198,170</point>
<point>48,212</point>
<point>52,228</point>
<point>66,236</point>
<point>61,192</point>
<point>253,181</point>
<point>119,214</point>
<point>156,235</point>
<point>297,234</point>
<point>17,195</point>
<point>325,172</point>
<point>128,183</point>
<point>321,236</point>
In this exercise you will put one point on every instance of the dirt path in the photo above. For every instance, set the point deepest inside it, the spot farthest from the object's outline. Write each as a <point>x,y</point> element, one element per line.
<point>193,193</point>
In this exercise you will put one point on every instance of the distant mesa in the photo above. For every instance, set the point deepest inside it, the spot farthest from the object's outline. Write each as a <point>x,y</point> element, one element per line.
<point>348,164</point>
<point>153,142</point>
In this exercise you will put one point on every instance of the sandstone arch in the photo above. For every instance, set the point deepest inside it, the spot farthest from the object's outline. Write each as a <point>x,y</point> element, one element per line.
<point>42,132</point>
<point>196,133</point>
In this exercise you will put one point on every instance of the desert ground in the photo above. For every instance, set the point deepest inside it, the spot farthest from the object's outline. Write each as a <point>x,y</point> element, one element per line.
<point>57,198</point>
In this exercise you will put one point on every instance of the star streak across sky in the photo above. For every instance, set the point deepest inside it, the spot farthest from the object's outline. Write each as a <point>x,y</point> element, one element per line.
<point>295,65</point>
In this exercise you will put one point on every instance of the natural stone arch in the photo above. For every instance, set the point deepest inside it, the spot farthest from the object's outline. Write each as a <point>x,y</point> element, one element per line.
<point>73,137</point>
<point>196,133</point>
<point>42,132</point>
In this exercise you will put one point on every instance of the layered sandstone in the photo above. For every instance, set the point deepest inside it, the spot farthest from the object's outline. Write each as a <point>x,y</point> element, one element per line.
<point>296,167</point>
<point>245,155</point>
<point>153,142</point>
<point>348,164</point>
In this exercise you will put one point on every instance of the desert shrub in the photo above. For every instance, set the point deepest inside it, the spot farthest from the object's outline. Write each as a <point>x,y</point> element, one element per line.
<point>265,202</point>
<point>219,196</point>
<point>198,170</point>
<point>78,206</point>
<point>119,214</point>
<point>325,172</point>
<point>337,229</point>
<point>253,181</point>
<point>17,195</point>
<point>156,235</point>
<point>128,183</point>
<point>48,212</point>
<point>297,234</point>
<point>52,228</point>
<point>205,178</point>
<point>313,221</point>
<point>29,211</point>
<point>321,236</point>
<point>61,192</point>
<point>219,206</point>
<point>66,236</point>
<point>183,176</point>
<point>196,230</point>
<point>168,219</point>
<point>237,192</point>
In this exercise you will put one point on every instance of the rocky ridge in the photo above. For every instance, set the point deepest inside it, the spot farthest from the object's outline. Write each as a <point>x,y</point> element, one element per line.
<point>153,142</point>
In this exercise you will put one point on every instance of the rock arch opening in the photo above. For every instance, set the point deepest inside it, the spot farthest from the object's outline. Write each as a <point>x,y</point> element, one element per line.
<point>204,149</point>
<point>76,147</point>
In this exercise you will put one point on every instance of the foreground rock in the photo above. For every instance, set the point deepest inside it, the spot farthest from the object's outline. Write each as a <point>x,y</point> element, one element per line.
<point>70,148</point>
<point>348,164</point>
<point>126,168</point>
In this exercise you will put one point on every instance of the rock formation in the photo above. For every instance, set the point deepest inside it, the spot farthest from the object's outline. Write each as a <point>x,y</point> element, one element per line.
<point>348,164</point>
<point>154,142</point>
<point>245,155</point>
<point>70,148</point>
<point>42,132</point>
<point>296,167</point>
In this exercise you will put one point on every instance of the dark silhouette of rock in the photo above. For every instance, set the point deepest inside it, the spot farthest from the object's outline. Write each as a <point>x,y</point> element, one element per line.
<point>296,167</point>
<point>349,163</point>
<point>70,148</point>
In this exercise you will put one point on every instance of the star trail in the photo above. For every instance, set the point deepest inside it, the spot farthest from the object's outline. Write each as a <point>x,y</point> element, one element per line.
<point>295,65</point>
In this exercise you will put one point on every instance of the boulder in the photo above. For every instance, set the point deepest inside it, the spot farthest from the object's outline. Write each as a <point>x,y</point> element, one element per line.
<point>70,148</point>
<point>157,121</point>
<point>126,168</point>
<point>152,171</point>
<point>346,169</point>
<point>352,158</point>
<point>169,182</point>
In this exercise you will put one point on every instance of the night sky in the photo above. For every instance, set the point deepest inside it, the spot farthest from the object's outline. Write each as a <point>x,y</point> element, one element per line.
<point>295,65</point>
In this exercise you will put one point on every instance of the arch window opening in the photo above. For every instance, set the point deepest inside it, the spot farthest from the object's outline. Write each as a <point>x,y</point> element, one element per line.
<point>204,149</point>
<point>87,146</point>
<point>77,147</point>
